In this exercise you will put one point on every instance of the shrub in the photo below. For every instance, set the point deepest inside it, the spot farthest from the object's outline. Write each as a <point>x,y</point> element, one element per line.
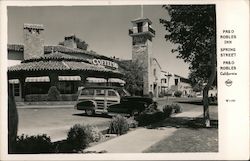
<point>118,125</point>
<point>53,94</point>
<point>95,134</point>
<point>36,97</point>
<point>149,118</point>
<point>177,93</point>
<point>79,137</point>
<point>173,108</point>
<point>177,108</point>
<point>34,144</point>
<point>168,110</point>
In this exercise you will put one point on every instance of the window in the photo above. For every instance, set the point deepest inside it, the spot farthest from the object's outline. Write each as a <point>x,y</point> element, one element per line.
<point>88,92</point>
<point>154,72</point>
<point>111,93</point>
<point>100,92</point>
<point>139,26</point>
<point>176,82</point>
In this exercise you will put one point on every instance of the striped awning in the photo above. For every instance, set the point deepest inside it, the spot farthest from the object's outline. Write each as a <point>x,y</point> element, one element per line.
<point>96,80</point>
<point>37,79</point>
<point>13,81</point>
<point>116,80</point>
<point>69,78</point>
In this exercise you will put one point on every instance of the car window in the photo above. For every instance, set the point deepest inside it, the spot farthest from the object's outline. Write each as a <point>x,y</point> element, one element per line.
<point>111,93</point>
<point>87,92</point>
<point>123,92</point>
<point>100,92</point>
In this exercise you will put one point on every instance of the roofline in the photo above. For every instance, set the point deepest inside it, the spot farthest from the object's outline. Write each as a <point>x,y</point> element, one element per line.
<point>142,19</point>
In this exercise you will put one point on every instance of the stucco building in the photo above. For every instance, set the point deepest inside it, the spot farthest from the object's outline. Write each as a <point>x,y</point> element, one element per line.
<point>34,67</point>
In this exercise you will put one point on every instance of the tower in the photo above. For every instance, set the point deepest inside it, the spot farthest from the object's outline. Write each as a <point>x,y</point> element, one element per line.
<point>142,35</point>
<point>33,40</point>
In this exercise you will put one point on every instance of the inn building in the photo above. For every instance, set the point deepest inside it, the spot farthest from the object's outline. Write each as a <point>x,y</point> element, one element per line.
<point>35,67</point>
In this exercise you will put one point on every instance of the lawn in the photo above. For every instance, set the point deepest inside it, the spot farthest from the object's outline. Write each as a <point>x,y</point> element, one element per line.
<point>188,140</point>
<point>190,136</point>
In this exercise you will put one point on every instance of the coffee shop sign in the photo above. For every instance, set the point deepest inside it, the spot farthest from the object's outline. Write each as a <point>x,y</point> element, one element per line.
<point>105,63</point>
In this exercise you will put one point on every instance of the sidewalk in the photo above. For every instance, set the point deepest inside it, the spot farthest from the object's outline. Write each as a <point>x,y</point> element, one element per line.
<point>140,139</point>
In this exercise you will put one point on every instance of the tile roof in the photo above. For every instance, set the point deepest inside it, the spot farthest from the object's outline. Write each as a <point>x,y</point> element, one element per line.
<point>59,48</point>
<point>58,61</point>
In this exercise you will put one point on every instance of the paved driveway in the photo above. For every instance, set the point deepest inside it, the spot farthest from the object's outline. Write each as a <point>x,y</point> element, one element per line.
<point>55,122</point>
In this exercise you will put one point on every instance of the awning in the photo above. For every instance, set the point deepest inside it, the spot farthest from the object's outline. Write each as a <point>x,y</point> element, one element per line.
<point>96,80</point>
<point>13,81</point>
<point>69,78</point>
<point>37,79</point>
<point>116,80</point>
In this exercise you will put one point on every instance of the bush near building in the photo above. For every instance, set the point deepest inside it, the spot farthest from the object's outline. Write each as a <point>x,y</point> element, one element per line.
<point>53,94</point>
<point>177,93</point>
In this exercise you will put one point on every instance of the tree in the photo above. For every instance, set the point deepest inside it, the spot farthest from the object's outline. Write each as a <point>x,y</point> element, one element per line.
<point>132,76</point>
<point>193,29</point>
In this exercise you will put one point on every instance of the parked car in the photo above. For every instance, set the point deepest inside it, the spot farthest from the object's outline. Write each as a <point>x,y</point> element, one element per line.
<point>131,106</point>
<point>96,99</point>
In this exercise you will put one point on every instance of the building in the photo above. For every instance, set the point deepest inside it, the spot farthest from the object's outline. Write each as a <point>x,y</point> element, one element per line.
<point>142,35</point>
<point>34,68</point>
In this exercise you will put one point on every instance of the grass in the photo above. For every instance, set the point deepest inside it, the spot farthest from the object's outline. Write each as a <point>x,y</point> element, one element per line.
<point>191,135</point>
<point>188,140</point>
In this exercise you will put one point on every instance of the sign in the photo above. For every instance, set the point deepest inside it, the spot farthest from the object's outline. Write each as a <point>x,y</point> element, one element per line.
<point>105,63</point>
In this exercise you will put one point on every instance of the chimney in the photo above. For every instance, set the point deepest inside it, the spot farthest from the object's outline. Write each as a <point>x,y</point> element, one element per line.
<point>33,40</point>
<point>70,41</point>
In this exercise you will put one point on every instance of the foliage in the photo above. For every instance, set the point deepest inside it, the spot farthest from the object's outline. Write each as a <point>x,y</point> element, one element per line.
<point>79,137</point>
<point>53,94</point>
<point>172,108</point>
<point>168,110</point>
<point>133,76</point>
<point>147,118</point>
<point>177,108</point>
<point>33,144</point>
<point>118,125</point>
<point>193,29</point>
<point>177,93</point>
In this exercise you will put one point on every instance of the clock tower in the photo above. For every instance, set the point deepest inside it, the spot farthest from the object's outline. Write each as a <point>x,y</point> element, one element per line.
<point>142,35</point>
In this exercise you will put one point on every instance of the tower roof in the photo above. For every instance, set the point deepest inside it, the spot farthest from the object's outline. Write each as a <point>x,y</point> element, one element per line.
<point>142,20</point>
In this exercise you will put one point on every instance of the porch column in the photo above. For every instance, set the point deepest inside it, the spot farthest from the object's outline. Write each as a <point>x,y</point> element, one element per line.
<point>53,79</point>
<point>83,80</point>
<point>23,87</point>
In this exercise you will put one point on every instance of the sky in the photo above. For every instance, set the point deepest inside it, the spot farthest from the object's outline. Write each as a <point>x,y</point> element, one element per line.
<point>104,28</point>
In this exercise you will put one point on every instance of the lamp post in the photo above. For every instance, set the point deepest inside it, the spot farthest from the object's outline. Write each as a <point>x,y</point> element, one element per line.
<point>168,76</point>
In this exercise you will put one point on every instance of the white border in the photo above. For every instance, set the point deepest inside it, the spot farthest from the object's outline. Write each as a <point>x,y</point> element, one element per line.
<point>233,118</point>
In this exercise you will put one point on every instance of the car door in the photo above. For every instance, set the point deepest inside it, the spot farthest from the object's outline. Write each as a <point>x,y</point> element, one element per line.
<point>112,97</point>
<point>100,98</point>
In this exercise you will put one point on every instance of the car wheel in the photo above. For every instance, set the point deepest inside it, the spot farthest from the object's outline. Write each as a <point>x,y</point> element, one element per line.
<point>135,112</point>
<point>89,112</point>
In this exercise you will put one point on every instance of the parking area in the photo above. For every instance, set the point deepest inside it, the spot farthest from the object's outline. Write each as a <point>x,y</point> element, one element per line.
<point>55,122</point>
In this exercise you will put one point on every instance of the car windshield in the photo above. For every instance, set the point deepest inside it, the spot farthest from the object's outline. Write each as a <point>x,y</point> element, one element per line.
<point>123,92</point>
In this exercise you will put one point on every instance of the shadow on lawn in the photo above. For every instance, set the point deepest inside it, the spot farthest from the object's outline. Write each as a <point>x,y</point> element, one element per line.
<point>184,122</point>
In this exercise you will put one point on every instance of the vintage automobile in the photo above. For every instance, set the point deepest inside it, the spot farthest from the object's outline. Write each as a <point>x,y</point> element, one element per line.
<point>96,99</point>
<point>131,106</point>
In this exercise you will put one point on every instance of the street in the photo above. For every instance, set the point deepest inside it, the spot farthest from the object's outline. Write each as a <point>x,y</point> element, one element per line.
<point>55,122</point>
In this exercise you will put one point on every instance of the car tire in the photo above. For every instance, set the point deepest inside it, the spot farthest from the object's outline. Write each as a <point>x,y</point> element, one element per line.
<point>89,112</point>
